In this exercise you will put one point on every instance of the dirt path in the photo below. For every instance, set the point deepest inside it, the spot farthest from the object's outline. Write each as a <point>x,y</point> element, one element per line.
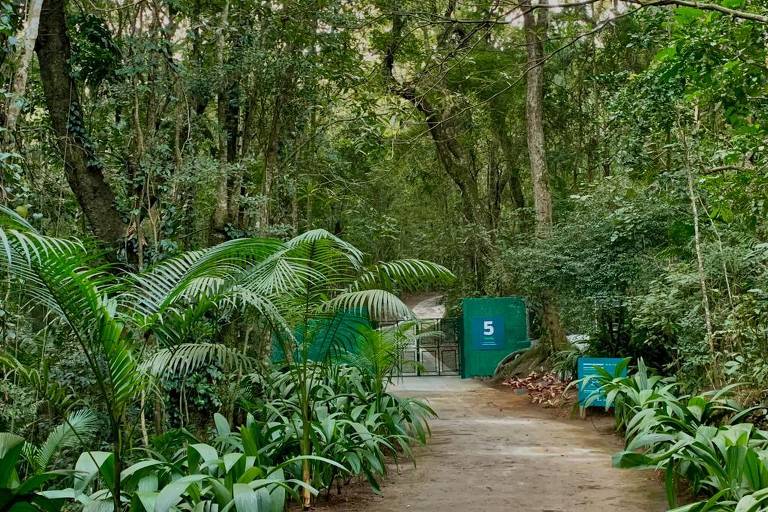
<point>492,451</point>
<point>426,305</point>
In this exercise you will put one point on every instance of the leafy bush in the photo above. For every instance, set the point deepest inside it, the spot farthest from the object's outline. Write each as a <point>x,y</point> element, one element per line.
<point>20,495</point>
<point>698,438</point>
<point>354,422</point>
<point>232,474</point>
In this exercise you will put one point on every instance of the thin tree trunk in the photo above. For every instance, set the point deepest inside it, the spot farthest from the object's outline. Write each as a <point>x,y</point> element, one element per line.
<point>697,234</point>
<point>117,450</point>
<point>20,81</point>
<point>534,116</point>
<point>221,206</point>
<point>699,255</point>
<point>270,162</point>
<point>700,261</point>
<point>143,420</point>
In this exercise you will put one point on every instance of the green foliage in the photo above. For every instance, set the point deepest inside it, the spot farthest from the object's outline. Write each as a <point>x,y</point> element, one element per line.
<point>95,55</point>
<point>198,475</point>
<point>287,285</point>
<point>697,438</point>
<point>353,421</point>
<point>17,495</point>
<point>271,179</point>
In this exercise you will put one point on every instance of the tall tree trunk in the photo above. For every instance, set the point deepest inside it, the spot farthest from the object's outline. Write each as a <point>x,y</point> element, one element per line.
<point>535,26</point>
<point>534,115</point>
<point>692,196</point>
<point>20,81</point>
<point>221,194</point>
<point>84,172</point>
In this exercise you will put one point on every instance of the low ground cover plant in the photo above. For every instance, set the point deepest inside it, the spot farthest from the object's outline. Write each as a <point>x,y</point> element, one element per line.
<point>253,468</point>
<point>701,440</point>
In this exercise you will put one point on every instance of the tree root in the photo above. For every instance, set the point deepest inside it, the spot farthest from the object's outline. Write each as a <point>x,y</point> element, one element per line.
<point>535,359</point>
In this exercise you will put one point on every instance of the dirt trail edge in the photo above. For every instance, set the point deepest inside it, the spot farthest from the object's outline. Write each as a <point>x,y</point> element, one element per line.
<point>493,451</point>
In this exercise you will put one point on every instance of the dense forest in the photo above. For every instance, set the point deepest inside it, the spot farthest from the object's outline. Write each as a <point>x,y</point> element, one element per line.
<point>183,182</point>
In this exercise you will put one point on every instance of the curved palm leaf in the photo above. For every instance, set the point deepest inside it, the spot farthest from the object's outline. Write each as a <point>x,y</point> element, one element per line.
<point>380,304</point>
<point>80,427</point>
<point>320,240</point>
<point>39,380</point>
<point>202,272</point>
<point>188,357</point>
<point>404,275</point>
<point>56,274</point>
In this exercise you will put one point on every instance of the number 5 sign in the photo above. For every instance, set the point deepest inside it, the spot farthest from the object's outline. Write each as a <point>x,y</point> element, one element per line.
<point>488,333</point>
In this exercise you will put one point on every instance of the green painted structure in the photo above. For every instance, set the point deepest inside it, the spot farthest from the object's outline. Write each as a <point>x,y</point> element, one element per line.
<point>494,327</point>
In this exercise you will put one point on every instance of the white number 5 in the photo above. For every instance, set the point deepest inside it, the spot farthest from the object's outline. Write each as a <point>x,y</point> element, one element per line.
<point>488,328</point>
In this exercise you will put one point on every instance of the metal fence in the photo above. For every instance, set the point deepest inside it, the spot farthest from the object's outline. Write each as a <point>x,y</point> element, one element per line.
<point>435,349</point>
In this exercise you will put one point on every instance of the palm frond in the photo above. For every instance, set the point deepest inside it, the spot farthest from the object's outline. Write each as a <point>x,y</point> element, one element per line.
<point>188,357</point>
<point>319,245</point>
<point>380,304</point>
<point>280,275</point>
<point>20,241</point>
<point>241,299</point>
<point>404,275</point>
<point>38,380</point>
<point>80,427</point>
<point>124,381</point>
<point>57,275</point>
<point>156,290</point>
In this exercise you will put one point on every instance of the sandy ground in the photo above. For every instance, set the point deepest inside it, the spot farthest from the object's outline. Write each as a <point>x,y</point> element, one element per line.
<point>492,451</point>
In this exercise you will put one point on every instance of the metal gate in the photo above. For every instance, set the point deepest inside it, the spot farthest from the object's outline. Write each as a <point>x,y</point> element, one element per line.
<point>435,349</point>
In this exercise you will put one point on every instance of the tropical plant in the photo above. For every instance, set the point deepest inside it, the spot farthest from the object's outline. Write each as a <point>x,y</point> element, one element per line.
<point>17,495</point>
<point>77,431</point>
<point>565,363</point>
<point>107,312</point>
<point>378,352</point>
<point>232,474</point>
<point>698,438</point>
<point>293,285</point>
<point>337,280</point>
<point>353,423</point>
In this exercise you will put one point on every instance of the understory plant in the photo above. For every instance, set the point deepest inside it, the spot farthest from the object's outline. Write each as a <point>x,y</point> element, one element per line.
<point>135,329</point>
<point>18,494</point>
<point>700,439</point>
<point>231,472</point>
<point>354,422</point>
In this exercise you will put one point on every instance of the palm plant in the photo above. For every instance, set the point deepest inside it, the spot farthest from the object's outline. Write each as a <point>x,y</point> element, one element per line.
<point>378,352</point>
<point>336,280</point>
<point>77,430</point>
<point>351,424</point>
<point>301,286</point>
<point>112,314</point>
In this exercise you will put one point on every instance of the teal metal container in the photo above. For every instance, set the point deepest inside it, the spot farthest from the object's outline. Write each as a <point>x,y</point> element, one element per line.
<point>494,327</point>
